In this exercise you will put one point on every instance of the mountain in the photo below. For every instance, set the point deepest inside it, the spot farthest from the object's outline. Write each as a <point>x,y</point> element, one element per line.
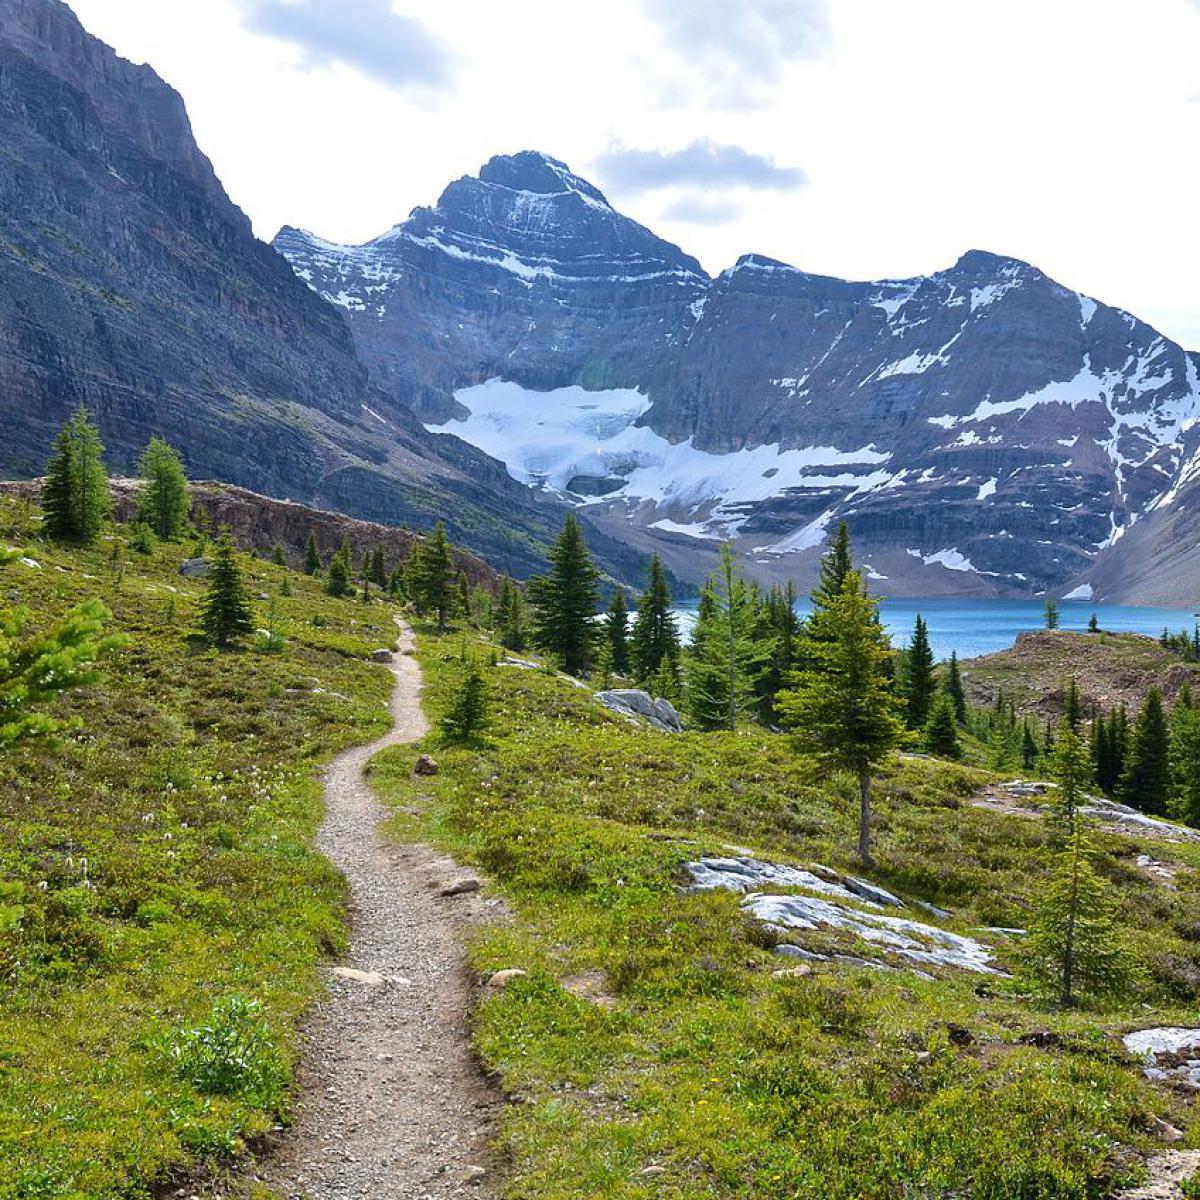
<point>129,281</point>
<point>983,429</point>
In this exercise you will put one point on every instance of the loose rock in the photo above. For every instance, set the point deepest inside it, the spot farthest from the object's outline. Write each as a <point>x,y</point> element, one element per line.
<point>195,568</point>
<point>501,979</point>
<point>460,887</point>
<point>425,765</point>
<point>381,656</point>
<point>369,978</point>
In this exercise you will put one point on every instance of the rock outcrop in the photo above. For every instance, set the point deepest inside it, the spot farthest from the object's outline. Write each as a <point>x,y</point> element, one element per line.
<point>638,706</point>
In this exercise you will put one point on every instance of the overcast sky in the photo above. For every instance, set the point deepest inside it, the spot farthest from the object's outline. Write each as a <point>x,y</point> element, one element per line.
<point>860,138</point>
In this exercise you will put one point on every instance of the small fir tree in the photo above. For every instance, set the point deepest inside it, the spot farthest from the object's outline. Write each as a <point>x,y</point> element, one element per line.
<point>163,499</point>
<point>835,565</point>
<point>1093,624</point>
<point>467,716</point>
<point>941,730</point>
<point>1146,780</point>
<point>338,581</point>
<point>1074,945</point>
<point>954,689</point>
<point>433,581</point>
<point>1072,771</point>
<point>1051,614</point>
<point>726,657</point>
<point>510,614</point>
<point>225,612</point>
<point>841,705</point>
<point>616,633</point>
<point>655,636</point>
<point>1029,750</point>
<point>781,629</point>
<point>564,602</point>
<point>1185,764</point>
<point>312,557</point>
<point>918,677</point>
<point>1072,705</point>
<point>278,555</point>
<point>75,497</point>
<point>378,572</point>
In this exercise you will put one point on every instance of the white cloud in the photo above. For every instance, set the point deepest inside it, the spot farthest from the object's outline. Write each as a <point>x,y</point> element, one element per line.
<point>700,164</point>
<point>367,35</point>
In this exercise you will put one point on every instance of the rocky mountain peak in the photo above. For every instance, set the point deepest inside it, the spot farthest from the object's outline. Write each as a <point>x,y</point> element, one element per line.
<point>532,171</point>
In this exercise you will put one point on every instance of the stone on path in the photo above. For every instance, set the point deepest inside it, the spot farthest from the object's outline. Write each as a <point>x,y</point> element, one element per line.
<point>460,887</point>
<point>369,978</point>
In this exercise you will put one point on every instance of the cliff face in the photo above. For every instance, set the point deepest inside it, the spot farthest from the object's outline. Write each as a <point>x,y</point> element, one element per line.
<point>130,282</point>
<point>983,429</point>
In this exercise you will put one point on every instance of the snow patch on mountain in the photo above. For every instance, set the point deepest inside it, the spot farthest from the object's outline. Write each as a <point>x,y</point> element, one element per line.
<point>557,438</point>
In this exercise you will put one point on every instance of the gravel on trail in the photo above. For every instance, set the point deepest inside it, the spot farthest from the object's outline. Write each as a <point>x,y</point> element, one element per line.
<point>392,1104</point>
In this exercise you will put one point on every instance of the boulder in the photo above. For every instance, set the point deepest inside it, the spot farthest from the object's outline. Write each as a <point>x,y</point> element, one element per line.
<point>460,887</point>
<point>501,979</point>
<point>425,765</point>
<point>195,568</point>
<point>381,656</point>
<point>635,705</point>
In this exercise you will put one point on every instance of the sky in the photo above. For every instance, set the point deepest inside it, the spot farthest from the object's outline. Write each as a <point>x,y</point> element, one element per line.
<point>866,139</point>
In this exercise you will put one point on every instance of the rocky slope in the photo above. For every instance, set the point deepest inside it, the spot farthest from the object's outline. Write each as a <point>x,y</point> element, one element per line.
<point>983,429</point>
<point>130,281</point>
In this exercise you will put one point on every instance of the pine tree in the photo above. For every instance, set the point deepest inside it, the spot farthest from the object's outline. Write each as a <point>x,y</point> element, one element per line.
<point>1146,782</point>
<point>338,582</point>
<point>75,498</point>
<point>836,564</point>
<point>918,677</point>
<point>841,705</point>
<point>312,557</point>
<point>1185,764</point>
<point>433,582</point>
<point>1029,750</point>
<point>378,571</point>
<point>35,669</point>
<point>782,632</point>
<point>616,633</point>
<point>726,657</point>
<point>467,716</point>
<point>1051,614</point>
<point>954,689</point>
<point>162,499</point>
<point>278,556</point>
<point>941,730</point>
<point>1072,705</point>
<point>564,601</point>
<point>511,616</point>
<point>1093,624</point>
<point>225,612</point>
<point>1072,770</point>
<point>1102,755</point>
<point>655,636</point>
<point>1073,944</point>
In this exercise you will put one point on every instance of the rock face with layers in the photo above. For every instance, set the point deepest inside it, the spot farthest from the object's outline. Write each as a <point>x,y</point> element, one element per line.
<point>983,429</point>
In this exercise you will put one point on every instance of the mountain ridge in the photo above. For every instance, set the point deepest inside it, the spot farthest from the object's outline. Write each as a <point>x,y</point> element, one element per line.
<point>934,413</point>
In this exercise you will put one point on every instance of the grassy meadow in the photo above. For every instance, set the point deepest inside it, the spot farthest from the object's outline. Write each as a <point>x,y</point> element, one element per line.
<point>650,1051</point>
<point>174,909</point>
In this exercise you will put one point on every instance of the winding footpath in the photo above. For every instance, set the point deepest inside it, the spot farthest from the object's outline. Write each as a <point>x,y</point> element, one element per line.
<point>392,1104</point>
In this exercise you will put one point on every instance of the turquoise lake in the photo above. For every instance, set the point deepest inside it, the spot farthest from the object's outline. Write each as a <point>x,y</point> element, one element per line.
<point>984,626</point>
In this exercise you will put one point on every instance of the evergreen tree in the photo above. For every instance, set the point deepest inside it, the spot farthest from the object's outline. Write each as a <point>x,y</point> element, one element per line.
<point>395,583</point>
<point>1051,614</point>
<point>918,677</point>
<point>564,601</point>
<point>1093,624</point>
<point>954,689</point>
<point>726,657</point>
<point>1029,750</point>
<point>467,716</point>
<point>225,612</point>
<point>1102,755</point>
<point>378,571</point>
<point>1072,705</point>
<point>75,497</point>
<point>338,582</point>
<point>841,705</point>
<point>312,557</point>
<point>278,557</point>
<point>941,730</point>
<point>433,582</point>
<point>1146,782</point>
<point>35,669</point>
<point>836,564</point>
<point>511,616</point>
<point>655,636</point>
<point>616,633</point>
<point>1073,944</point>
<point>163,499</point>
<point>781,631</point>
<point>1072,771</point>
<point>1185,764</point>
